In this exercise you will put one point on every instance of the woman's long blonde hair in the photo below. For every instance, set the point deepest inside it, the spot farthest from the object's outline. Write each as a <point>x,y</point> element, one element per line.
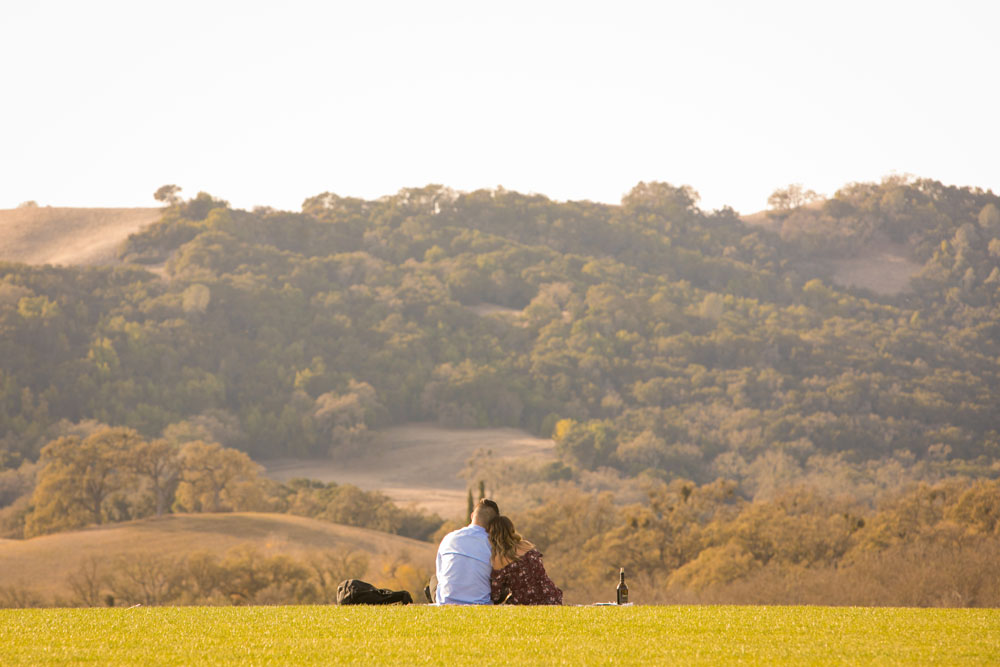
<point>503,538</point>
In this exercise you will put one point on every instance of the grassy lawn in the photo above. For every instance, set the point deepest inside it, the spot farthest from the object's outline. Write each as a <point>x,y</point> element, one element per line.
<point>500,635</point>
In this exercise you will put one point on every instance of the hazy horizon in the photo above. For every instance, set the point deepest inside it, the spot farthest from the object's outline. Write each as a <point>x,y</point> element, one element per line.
<point>266,106</point>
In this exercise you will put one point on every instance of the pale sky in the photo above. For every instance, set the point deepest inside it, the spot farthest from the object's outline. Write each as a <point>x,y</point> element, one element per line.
<point>268,103</point>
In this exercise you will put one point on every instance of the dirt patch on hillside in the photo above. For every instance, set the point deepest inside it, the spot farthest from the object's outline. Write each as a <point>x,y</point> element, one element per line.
<point>884,268</point>
<point>418,464</point>
<point>43,563</point>
<point>760,219</point>
<point>881,266</point>
<point>69,236</point>
<point>485,309</point>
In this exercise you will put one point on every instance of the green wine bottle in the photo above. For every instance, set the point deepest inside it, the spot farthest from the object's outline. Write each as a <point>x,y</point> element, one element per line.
<point>622,589</point>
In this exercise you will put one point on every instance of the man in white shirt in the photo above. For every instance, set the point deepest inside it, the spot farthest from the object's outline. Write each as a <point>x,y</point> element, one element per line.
<point>463,560</point>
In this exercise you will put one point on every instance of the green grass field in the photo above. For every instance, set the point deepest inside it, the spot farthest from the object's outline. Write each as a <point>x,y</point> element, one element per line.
<point>500,635</point>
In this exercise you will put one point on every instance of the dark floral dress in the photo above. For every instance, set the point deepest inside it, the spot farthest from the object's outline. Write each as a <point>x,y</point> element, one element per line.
<point>525,581</point>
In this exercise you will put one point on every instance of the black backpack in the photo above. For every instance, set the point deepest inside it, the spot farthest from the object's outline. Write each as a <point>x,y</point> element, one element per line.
<point>355,591</point>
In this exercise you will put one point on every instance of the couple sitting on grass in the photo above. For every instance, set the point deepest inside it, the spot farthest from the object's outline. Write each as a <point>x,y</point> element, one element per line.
<point>488,562</point>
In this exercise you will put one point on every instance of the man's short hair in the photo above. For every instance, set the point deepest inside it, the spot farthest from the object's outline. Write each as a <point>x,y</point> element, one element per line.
<point>486,502</point>
<point>487,510</point>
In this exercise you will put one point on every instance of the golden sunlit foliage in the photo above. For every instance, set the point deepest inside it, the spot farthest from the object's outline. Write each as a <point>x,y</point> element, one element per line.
<point>930,545</point>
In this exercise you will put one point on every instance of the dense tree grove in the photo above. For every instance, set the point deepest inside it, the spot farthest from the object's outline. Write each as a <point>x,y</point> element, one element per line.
<point>648,336</point>
<point>112,474</point>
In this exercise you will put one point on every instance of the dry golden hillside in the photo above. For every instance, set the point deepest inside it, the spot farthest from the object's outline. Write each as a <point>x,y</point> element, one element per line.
<point>418,464</point>
<point>43,564</point>
<point>55,235</point>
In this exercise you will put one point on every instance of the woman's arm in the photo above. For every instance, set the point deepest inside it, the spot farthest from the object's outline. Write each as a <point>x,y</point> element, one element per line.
<point>498,587</point>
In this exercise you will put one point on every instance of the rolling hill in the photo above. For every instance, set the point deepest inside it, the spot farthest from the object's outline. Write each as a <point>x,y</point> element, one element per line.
<point>44,563</point>
<point>650,336</point>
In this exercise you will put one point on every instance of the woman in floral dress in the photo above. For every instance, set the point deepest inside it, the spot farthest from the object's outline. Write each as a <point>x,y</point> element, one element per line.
<point>518,574</point>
